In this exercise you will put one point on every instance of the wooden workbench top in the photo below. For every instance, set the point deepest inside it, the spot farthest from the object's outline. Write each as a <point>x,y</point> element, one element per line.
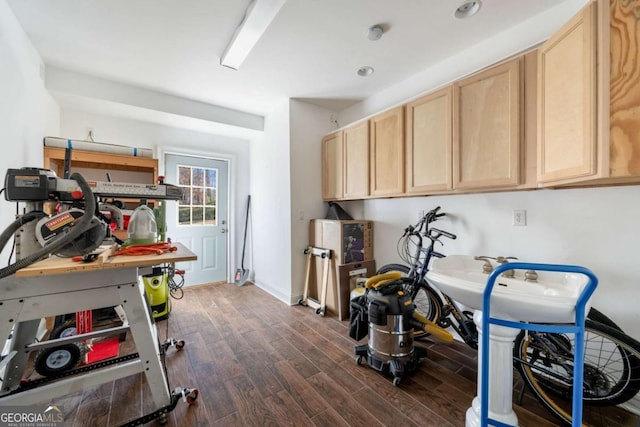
<point>57,265</point>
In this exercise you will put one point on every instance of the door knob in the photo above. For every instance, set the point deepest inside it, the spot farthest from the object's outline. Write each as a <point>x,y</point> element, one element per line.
<point>223,230</point>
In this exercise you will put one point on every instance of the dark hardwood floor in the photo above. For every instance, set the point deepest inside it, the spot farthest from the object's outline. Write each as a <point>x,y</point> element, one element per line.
<point>257,362</point>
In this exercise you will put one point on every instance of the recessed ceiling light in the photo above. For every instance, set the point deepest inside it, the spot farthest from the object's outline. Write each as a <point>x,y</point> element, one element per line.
<point>365,71</point>
<point>375,32</point>
<point>468,9</point>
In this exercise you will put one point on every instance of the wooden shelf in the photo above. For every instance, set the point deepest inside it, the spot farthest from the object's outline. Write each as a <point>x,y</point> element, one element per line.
<point>54,160</point>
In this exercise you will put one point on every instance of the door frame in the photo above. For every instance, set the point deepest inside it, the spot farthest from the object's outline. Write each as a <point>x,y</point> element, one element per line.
<point>231,211</point>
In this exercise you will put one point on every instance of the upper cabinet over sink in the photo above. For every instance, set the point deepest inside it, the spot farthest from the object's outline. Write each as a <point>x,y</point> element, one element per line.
<point>589,98</point>
<point>487,130</point>
<point>429,143</point>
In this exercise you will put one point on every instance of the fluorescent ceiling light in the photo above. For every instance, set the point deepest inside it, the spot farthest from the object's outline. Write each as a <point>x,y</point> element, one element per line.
<point>257,18</point>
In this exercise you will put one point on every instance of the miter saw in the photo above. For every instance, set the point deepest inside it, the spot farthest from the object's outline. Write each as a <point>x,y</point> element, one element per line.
<point>76,227</point>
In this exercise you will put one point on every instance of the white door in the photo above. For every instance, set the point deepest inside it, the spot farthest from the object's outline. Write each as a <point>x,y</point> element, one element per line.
<point>200,220</point>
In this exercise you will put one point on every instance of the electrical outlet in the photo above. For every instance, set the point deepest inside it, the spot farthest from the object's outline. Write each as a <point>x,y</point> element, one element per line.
<point>420,214</point>
<point>520,217</point>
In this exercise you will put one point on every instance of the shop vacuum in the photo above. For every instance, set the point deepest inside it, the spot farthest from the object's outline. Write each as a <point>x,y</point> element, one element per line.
<point>386,314</point>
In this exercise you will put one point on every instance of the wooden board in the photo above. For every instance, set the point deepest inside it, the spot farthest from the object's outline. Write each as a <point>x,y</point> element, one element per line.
<point>624,83</point>
<point>57,265</point>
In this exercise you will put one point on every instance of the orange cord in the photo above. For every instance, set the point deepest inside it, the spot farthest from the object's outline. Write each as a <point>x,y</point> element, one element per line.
<point>137,250</point>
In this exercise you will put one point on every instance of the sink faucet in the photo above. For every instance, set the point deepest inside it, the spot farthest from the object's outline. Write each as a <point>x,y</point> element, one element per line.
<point>504,260</point>
<point>530,276</point>
<point>487,268</point>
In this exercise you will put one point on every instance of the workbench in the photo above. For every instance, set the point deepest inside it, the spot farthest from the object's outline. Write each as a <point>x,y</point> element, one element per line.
<point>57,286</point>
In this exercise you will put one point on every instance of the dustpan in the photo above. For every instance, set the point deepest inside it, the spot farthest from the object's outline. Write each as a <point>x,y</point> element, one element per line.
<point>242,274</point>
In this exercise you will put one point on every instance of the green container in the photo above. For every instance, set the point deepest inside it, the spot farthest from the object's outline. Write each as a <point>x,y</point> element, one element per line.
<point>156,288</point>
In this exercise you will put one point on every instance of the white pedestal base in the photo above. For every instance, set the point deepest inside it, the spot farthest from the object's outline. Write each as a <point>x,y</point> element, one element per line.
<point>500,375</point>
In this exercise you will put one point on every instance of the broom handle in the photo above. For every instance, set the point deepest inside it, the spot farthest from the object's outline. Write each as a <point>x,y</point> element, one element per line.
<point>246,224</point>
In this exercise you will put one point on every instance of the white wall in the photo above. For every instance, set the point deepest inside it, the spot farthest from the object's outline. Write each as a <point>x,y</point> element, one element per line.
<point>308,124</point>
<point>271,205</point>
<point>114,130</point>
<point>27,111</point>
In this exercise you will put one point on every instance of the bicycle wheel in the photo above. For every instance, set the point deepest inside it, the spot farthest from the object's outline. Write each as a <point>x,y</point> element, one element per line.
<point>428,302</point>
<point>394,267</point>
<point>611,370</point>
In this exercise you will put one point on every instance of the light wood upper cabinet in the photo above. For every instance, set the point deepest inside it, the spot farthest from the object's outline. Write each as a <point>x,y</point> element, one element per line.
<point>567,105</point>
<point>332,166</point>
<point>624,88</point>
<point>487,130</point>
<point>429,143</point>
<point>387,153</point>
<point>356,160</point>
<point>589,98</point>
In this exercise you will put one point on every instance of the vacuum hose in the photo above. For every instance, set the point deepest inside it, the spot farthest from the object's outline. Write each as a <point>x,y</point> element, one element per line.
<point>422,323</point>
<point>76,231</point>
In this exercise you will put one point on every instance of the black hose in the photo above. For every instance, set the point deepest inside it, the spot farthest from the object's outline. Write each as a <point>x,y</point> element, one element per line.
<point>82,226</point>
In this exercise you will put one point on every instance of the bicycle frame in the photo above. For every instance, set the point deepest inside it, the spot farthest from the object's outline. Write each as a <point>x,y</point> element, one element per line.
<point>463,324</point>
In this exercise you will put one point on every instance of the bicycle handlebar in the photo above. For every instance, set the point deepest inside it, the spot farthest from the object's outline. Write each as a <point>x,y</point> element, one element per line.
<point>442,233</point>
<point>413,236</point>
<point>434,234</point>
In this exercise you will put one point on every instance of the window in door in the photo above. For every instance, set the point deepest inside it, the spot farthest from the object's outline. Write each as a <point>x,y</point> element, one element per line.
<point>200,187</point>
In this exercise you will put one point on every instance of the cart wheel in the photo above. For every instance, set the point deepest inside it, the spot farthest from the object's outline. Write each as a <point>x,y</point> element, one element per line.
<point>192,396</point>
<point>319,311</point>
<point>300,301</point>
<point>396,381</point>
<point>64,330</point>
<point>358,360</point>
<point>180,344</point>
<point>162,419</point>
<point>52,361</point>
<point>324,255</point>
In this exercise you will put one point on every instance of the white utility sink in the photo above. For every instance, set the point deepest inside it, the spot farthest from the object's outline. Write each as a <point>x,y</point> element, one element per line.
<point>550,299</point>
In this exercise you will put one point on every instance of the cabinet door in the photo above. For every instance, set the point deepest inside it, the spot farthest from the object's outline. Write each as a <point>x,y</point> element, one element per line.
<point>332,166</point>
<point>623,25</point>
<point>567,110</point>
<point>429,143</point>
<point>387,153</point>
<point>487,129</point>
<point>356,160</point>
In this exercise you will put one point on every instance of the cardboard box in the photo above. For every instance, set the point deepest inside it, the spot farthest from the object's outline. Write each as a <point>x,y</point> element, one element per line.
<point>350,240</point>
<point>342,280</point>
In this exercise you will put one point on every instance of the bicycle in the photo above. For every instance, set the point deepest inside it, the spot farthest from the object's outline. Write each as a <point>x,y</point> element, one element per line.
<point>544,360</point>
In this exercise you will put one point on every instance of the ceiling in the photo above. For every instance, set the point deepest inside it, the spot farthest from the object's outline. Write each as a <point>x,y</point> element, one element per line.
<point>312,49</point>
